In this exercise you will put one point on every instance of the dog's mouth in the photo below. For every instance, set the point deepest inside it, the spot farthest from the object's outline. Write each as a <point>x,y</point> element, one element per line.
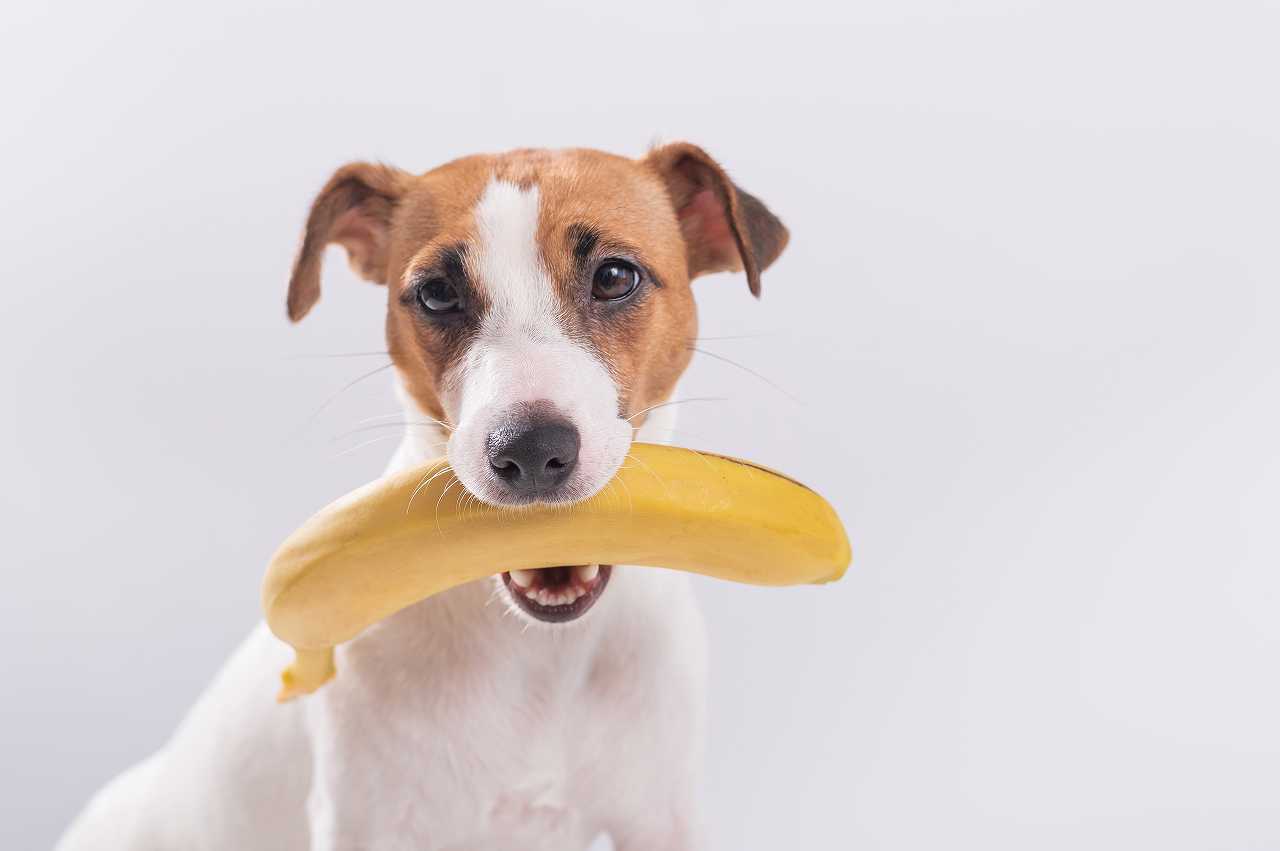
<point>557,594</point>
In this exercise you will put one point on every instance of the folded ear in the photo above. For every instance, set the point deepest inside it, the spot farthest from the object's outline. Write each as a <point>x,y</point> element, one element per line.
<point>724,227</point>
<point>354,210</point>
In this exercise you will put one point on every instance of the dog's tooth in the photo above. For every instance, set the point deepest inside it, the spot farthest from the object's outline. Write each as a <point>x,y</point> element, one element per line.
<point>523,578</point>
<point>587,572</point>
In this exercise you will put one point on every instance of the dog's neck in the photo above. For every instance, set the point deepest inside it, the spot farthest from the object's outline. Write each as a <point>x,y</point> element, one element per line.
<point>424,439</point>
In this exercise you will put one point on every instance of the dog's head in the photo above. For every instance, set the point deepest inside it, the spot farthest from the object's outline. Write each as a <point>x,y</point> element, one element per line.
<point>539,301</point>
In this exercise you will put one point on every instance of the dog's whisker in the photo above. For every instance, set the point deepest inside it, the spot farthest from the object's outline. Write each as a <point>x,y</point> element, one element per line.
<point>732,337</point>
<point>678,402</point>
<point>376,426</point>
<point>615,489</point>
<point>401,414</point>
<point>704,458</point>
<point>470,505</point>
<point>749,371</point>
<point>363,444</point>
<point>378,417</point>
<point>665,487</point>
<point>440,499</point>
<point>327,402</point>
<point>618,480</point>
<point>341,355</point>
<point>494,595</point>
<point>684,431</point>
<point>426,480</point>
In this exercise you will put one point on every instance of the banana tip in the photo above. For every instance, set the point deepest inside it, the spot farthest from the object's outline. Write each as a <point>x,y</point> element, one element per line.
<point>310,670</point>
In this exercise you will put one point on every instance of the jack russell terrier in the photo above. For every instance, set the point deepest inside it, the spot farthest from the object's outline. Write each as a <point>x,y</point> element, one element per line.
<point>539,311</point>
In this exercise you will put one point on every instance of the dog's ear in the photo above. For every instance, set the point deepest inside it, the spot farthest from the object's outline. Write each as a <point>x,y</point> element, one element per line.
<point>724,227</point>
<point>354,210</point>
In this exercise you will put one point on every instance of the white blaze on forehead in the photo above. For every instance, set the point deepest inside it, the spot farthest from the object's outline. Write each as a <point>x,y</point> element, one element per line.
<point>522,354</point>
<point>508,262</point>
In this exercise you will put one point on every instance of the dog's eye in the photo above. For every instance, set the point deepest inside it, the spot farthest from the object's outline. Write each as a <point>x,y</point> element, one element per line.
<point>614,280</point>
<point>438,296</point>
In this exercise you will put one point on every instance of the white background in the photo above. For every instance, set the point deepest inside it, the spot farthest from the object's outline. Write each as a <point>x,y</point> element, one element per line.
<point>1025,334</point>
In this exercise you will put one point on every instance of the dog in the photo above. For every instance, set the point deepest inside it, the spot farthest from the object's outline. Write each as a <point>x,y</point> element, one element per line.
<point>539,313</point>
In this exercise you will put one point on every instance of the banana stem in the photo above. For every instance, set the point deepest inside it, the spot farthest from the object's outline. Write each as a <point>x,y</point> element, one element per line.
<point>310,670</point>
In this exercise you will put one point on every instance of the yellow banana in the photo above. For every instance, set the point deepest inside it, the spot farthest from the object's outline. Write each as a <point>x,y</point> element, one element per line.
<point>408,536</point>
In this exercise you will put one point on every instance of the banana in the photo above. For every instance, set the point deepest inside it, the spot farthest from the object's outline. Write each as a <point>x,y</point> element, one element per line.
<point>408,536</point>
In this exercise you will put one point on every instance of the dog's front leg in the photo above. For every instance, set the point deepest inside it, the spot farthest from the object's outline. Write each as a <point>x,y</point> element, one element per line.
<point>341,813</point>
<point>364,795</point>
<point>355,805</point>
<point>324,817</point>
<point>663,810</point>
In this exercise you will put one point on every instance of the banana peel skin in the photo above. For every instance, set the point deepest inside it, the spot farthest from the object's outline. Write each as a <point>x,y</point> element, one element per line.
<point>414,534</point>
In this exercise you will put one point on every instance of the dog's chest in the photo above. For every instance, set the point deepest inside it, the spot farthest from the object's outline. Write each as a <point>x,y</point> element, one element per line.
<point>491,743</point>
<point>522,748</point>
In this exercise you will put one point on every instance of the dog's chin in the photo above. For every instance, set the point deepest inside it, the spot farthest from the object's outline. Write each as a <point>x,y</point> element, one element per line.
<point>557,594</point>
<point>492,493</point>
<point>551,595</point>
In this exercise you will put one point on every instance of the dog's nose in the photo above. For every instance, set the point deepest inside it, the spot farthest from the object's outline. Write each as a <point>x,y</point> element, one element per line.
<point>535,458</point>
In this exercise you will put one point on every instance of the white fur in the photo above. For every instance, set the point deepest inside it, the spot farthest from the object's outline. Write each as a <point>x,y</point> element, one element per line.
<point>522,355</point>
<point>458,723</point>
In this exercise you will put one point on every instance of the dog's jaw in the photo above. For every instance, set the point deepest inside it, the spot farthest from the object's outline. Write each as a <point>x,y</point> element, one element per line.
<point>421,443</point>
<point>557,594</point>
